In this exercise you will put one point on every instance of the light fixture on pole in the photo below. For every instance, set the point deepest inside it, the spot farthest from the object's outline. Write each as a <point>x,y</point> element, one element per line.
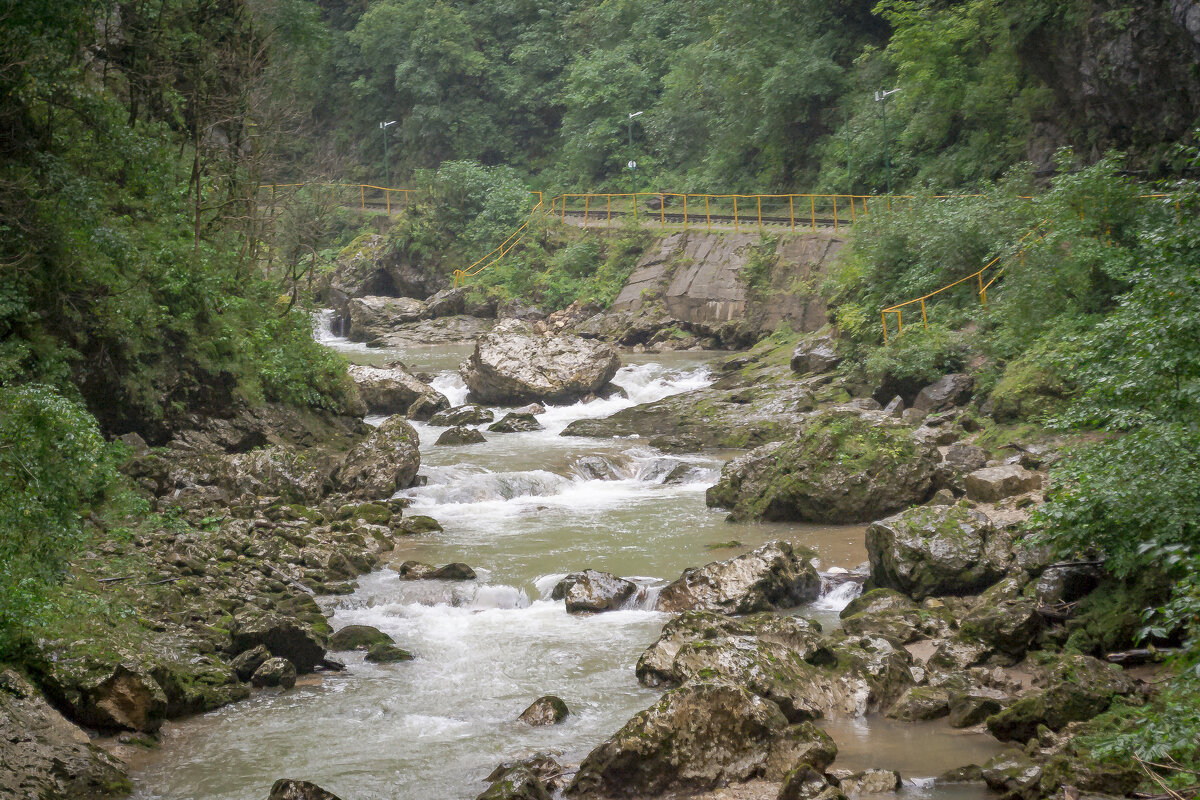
<point>632,163</point>
<point>387,172</point>
<point>881,98</point>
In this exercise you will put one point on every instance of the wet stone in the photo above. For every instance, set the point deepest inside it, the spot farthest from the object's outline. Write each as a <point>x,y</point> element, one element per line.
<point>548,710</point>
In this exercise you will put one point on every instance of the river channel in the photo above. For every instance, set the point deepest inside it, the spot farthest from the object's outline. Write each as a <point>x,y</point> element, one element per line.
<point>522,509</point>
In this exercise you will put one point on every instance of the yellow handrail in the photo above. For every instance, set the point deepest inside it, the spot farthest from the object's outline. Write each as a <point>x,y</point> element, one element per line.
<point>978,275</point>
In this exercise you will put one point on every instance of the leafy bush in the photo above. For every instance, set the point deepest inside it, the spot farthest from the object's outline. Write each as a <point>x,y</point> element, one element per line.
<point>53,464</point>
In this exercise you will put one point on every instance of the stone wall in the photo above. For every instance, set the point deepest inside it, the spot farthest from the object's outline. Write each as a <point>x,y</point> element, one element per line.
<point>701,278</point>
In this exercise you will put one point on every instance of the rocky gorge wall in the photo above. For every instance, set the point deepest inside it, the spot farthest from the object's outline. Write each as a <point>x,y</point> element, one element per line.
<point>706,279</point>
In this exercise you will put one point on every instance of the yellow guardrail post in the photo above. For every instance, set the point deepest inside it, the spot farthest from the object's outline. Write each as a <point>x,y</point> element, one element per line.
<point>587,199</point>
<point>707,216</point>
<point>792,210</point>
<point>735,218</point>
<point>812,201</point>
<point>662,210</point>
<point>760,213</point>
<point>685,211</point>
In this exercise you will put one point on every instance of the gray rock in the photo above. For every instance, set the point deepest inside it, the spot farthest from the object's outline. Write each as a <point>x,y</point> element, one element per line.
<point>965,457</point>
<point>284,637</point>
<point>513,364</point>
<point>42,755</point>
<point>382,465</point>
<point>895,407</point>
<point>992,484</point>
<point>447,303</point>
<point>842,467</point>
<point>700,737</point>
<point>391,389</point>
<point>548,710</point>
<point>358,637</point>
<point>516,423</point>
<point>783,659</point>
<point>385,653</point>
<point>771,577</point>
<point>426,406</point>
<point>946,392</point>
<point>459,435</point>
<point>463,415</point>
<point>274,673</point>
<point>1077,688</point>
<point>936,550</point>
<point>871,781</point>
<point>287,789</point>
<point>544,769</point>
<point>372,318</point>
<point>921,703</point>
<point>591,591</point>
<point>805,783</point>
<point>247,663</point>
<point>415,570</point>
<point>516,783</point>
<point>815,354</point>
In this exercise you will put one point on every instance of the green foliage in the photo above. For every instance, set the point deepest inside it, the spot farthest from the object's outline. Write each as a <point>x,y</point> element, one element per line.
<point>53,464</point>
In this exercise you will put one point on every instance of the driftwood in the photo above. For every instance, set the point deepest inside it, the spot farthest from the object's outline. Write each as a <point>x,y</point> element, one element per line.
<point>1141,655</point>
<point>1059,612</point>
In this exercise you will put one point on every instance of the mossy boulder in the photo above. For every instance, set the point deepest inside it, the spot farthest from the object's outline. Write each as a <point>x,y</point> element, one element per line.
<point>842,467</point>
<point>286,637</point>
<point>287,789</point>
<point>515,783</point>
<point>921,703</point>
<point>547,710</point>
<point>1004,619</point>
<point>358,637</point>
<point>516,422</point>
<point>459,435</point>
<point>387,653</point>
<point>592,591</point>
<point>773,576</point>
<point>383,464</point>
<point>785,660</point>
<point>1077,688</point>
<point>700,737</point>
<point>937,550</point>
<point>274,673</point>
<point>416,525</point>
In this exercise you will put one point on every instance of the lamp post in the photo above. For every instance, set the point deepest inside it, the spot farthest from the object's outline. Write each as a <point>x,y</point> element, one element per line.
<point>881,98</point>
<point>387,172</point>
<point>632,163</point>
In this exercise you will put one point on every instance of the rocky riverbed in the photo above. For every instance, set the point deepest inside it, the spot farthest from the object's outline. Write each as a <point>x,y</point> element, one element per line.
<point>373,608</point>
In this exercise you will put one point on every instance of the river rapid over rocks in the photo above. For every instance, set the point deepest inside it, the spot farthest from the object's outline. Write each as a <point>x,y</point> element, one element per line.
<point>523,510</point>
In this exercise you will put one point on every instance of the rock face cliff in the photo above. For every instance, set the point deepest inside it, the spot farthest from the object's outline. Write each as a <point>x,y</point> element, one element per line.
<point>709,279</point>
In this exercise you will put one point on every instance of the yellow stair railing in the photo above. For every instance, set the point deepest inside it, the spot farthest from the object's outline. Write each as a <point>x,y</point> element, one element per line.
<point>898,309</point>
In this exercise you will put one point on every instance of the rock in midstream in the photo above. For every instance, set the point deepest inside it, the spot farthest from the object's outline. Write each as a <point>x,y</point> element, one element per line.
<point>771,577</point>
<point>784,659</point>
<point>382,465</point>
<point>592,591</point>
<point>846,465</point>
<point>393,389</point>
<point>513,364</point>
<point>699,737</point>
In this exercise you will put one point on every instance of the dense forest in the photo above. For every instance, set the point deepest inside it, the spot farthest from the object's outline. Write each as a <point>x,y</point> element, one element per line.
<point>143,283</point>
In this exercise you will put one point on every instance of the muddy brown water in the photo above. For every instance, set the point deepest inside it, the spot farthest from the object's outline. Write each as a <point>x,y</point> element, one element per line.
<point>522,509</point>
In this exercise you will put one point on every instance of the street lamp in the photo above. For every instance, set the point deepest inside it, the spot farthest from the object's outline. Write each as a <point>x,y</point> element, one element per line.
<point>632,163</point>
<point>387,176</point>
<point>881,98</point>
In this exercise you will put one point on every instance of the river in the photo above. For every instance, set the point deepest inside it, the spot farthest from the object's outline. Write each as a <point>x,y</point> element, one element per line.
<point>523,509</point>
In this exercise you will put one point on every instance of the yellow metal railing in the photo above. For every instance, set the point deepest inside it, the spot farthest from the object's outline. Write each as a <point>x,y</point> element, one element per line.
<point>368,194</point>
<point>791,211</point>
<point>898,309</point>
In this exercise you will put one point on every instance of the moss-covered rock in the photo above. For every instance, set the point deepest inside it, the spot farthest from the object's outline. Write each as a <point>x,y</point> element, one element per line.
<point>921,703</point>
<point>1077,688</point>
<point>387,653</point>
<point>700,737</point>
<point>416,525</point>
<point>842,467</point>
<point>358,637</point>
<point>937,550</point>
<point>382,465</point>
<point>773,576</point>
<point>1004,619</point>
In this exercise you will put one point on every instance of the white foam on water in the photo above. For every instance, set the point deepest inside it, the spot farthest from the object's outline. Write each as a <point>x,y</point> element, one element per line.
<point>838,597</point>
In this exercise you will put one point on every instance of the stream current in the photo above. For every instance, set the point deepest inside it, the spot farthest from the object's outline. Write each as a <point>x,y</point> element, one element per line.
<point>523,510</point>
